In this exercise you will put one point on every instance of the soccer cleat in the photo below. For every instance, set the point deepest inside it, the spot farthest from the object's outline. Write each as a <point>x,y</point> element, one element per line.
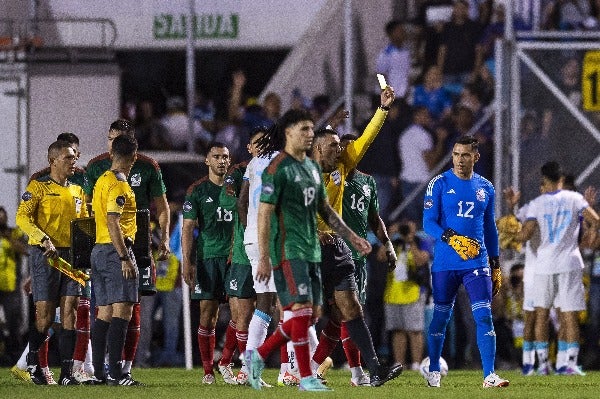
<point>527,370</point>
<point>227,374</point>
<point>494,381</point>
<point>20,374</point>
<point>255,365</point>
<point>312,384</point>
<point>208,379</point>
<point>242,377</point>
<point>49,376</point>
<point>544,369</point>
<point>84,378</point>
<point>264,384</point>
<point>287,379</point>
<point>68,380</point>
<point>433,379</point>
<point>36,374</point>
<point>127,380</point>
<point>385,374</point>
<point>324,367</point>
<point>570,370</point>
<point>360,381</point>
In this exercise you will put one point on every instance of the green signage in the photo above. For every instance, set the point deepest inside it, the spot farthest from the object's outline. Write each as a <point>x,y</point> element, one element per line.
<point>206,26</point>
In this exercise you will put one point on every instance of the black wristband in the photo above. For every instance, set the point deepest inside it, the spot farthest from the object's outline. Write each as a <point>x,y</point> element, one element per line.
<point>44,239</point>
<point>447,234</point>
<point>385,108</point>
<point>124,258</point>
<point>494,262</point>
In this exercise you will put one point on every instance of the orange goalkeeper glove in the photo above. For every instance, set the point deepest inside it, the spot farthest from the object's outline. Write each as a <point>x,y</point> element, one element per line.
<point>465,247</point>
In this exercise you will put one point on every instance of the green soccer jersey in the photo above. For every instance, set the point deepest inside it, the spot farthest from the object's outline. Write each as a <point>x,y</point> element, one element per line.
<point>360,199</point>
<point>214,210</point>
<point>233,186</point>
<point>296,189</point>
<point>145,178</point>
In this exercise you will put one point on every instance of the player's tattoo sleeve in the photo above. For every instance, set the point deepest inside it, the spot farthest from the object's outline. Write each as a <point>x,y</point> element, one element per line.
<point>334,220</point>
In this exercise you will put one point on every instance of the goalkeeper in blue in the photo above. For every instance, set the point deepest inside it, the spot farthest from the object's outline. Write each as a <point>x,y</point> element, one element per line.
<point>459,214</point>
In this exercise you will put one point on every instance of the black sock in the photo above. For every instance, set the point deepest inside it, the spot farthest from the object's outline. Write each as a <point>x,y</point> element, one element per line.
<point>360,335</point>
<point>116,341</point>
<point>36,339</point>
<point>66,342</point>
<point>99,332</point>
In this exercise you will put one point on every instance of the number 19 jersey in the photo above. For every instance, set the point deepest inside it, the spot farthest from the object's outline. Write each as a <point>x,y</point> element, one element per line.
<point>296,189</point>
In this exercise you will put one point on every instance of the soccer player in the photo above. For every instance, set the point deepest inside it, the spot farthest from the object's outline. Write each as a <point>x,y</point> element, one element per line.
<point>238,282</point>
<point>337,268</point>
<point>147,183</point>
<point>459,214</point>
<point>559,270</point>
<point>292,193</point>
<point>531,249</point>
<point>360,211</point>
<point>209,207</point>
<point>114,269</point>
<point>44,214</point>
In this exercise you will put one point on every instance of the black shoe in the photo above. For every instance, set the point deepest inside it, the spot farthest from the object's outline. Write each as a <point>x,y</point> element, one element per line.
<point>68,380</point>
<point>385,374</point>
<point>34,369</point>
<point>125,381</point>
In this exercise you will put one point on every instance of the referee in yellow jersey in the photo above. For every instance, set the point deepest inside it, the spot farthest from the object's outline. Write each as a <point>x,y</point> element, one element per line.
<point>47,207</point>
<point>114,271</point>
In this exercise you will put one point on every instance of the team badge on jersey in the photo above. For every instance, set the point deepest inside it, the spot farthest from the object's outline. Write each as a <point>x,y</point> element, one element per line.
<point>229,188</point>
<point>233,285</point>
<point>120,200</point>
<point>267,189</point>
<point>136,180</point>
<point>480,194</point>
<point>26,196</point>
<point>316,176</point>
<point>367,190</point>
<point>336,176</point>
<point>187,206</point>
<point>428,203</point>
<point>302,289</point>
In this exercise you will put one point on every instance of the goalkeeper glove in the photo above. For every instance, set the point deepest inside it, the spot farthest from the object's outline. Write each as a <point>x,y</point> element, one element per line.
<point>496,275</point>
<point>465,247</point>
<point>391,255</point>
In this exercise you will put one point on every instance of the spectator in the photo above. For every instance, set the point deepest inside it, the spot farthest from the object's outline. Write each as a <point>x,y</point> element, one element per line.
<point>394,60</point>
<point>253,115</point>
<point>456,54</point>
<point>12,247</point>
<point>433,95</point>
<point>403,297</point>
<point>149,132</point>
<point>176,123</point>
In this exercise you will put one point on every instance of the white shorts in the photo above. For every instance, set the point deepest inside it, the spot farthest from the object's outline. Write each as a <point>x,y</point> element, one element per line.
<point>528,295</point>
<point>253,256</point>
<point>562,290</point>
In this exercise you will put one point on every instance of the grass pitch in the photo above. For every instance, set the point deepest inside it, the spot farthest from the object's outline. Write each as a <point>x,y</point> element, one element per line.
<point>170,383</point>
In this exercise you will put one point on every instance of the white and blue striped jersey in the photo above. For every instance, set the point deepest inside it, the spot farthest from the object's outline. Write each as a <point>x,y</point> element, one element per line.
<point>467,207</point>
<point>253,175</point>
<point>558,217</point>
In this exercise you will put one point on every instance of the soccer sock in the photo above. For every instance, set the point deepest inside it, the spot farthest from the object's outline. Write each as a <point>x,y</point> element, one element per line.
<point>350,348</point>
<point>300,324</point>
<point>541,349</point>
<point>82,326</point>
<point>36,339</point>
<point>277,339</point>
<point>330,336</point>
<point>284,357</point>
<point>359,333</point>
<point>88,367</point>
<point>229,345</point>
<point>43,354</point>
<point>562,359</point>
<point>437,333</point>
<point>313,340</point>
<point>242,340</point>
<point>22,362</point>
<point>206,344</point>
<point>486,336</point>
<point>66,343</point>
<point>99,332</point>
<point>257,330</point>
<point>116,339</point>
<point>132,338</point>
<point>572,353</point>
<point>528,353</point>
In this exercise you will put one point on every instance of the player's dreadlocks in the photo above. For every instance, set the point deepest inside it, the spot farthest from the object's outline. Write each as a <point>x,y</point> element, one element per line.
<point>274,138</point>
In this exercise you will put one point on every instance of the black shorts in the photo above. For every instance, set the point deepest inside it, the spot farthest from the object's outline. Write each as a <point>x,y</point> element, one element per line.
<point>107,277</point>
<point>337,268</point>
<point>47,283</point>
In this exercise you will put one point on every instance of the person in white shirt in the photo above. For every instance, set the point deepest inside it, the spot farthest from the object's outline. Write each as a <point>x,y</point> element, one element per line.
<point>559,270</point>
<point>394,60</point>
